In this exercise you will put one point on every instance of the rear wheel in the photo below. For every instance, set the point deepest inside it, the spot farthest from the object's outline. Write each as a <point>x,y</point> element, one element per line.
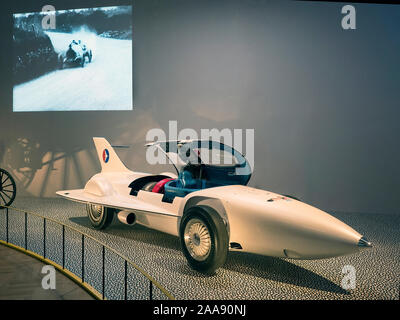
<point>204,239</point>
<point>100,217</point>
<point>149,186</point>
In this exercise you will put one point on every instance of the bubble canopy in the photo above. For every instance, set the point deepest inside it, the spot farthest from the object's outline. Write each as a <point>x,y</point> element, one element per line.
<point>207,160</point>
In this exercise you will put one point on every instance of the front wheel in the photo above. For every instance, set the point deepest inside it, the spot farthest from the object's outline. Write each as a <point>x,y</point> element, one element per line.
<point>100,217</point>
<point>60,62</point>
<point>204,239</point>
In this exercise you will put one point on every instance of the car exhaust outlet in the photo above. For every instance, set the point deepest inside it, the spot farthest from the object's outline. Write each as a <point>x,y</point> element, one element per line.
<point>364,243</point>
<point>126,217</point>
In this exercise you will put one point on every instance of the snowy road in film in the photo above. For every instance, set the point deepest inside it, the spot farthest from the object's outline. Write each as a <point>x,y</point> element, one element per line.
<point>103,84</point>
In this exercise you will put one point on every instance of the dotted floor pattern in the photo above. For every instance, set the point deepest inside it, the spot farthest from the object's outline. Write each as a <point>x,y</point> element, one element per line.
<point>244,276</point>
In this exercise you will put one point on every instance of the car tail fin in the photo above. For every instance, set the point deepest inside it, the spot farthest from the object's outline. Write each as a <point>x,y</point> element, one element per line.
<point>109,160</point>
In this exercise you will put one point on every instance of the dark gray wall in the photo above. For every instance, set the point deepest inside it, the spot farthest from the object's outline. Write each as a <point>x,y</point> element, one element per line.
<point>324,102</point>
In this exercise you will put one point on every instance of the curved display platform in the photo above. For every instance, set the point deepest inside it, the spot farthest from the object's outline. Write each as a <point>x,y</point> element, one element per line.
<point>34,231</point>
<point>21,277</point>
<point>244,276</point>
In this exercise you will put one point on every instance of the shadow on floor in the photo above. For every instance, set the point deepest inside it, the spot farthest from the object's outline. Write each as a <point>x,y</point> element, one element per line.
<point>136,232</point>
<point>264,267</point>
<point>279,270</point>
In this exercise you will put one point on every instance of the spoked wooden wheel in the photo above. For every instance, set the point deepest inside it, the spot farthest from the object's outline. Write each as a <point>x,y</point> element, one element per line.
<point>8,189</point>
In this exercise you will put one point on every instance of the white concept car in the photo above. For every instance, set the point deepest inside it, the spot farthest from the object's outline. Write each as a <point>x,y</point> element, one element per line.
<point>210,208</point>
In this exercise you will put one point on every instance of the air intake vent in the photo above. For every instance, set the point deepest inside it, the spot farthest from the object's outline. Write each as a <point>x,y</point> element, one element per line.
<point>235,245</point>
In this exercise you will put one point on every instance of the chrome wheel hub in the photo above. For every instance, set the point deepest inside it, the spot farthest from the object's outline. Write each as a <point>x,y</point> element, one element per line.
<point>96,212</point>
<point>197,239</point>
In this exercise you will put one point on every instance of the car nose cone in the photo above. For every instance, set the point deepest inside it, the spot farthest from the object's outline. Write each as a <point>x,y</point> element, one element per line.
<point>364,243</point>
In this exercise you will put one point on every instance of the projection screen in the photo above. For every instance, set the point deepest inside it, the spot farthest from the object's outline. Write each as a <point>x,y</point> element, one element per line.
<point>73,60</point>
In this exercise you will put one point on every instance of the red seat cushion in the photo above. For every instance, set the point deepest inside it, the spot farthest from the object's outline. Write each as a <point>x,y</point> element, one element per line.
<point>159,187</point>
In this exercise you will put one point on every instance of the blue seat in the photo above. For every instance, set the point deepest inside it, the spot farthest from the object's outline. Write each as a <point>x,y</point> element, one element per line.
<point>182,186</point>
<point>185,180</point>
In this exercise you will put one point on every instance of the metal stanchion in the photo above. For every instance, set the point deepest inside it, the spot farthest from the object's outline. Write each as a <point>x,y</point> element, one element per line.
<point>83,258</point>
<point>44,238</point>
<point>26,230</point>
<point>103,280</point>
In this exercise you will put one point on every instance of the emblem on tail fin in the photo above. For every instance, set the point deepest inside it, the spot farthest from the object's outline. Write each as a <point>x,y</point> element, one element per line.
<point>109,160</point>
<point>106,155</point>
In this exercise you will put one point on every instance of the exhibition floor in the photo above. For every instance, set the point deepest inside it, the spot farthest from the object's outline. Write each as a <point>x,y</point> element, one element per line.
<point>246,276</point>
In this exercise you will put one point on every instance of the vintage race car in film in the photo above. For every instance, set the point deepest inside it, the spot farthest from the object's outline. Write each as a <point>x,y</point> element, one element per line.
<point>75,55</point>
<point>210,208</point>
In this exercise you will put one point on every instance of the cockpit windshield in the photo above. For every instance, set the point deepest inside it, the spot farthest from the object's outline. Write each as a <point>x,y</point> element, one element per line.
<point>207,160</point>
